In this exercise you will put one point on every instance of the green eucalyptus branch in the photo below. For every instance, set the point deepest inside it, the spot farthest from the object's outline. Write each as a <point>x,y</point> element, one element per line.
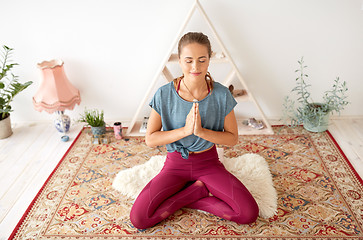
<point>306,109</point>
<point>302,87</point>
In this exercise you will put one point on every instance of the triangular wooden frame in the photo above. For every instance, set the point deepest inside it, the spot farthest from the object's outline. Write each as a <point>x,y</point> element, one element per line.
<point>225,57</point>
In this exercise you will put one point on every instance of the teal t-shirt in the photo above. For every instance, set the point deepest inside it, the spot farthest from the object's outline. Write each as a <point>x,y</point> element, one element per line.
<point>173,111</point>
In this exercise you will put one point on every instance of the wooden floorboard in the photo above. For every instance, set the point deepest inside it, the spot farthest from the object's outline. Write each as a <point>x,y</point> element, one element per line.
<point>24,160</point>
<point>349,135</point>
<point>29,156</point>
<point>14,147</point>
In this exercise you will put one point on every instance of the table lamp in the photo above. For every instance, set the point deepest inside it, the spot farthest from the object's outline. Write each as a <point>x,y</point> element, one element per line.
<point>56,94</point>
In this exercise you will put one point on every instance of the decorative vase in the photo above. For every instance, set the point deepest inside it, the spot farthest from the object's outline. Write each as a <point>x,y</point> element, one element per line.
<point>98,131</point>
<point>5,128</point>
<point>62,122</point>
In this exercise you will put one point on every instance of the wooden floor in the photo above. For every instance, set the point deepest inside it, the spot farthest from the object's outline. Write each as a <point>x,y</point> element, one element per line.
<point>29,156</point>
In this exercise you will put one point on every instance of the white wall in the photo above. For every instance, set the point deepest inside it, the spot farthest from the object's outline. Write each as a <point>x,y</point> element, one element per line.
<point>112,48</point>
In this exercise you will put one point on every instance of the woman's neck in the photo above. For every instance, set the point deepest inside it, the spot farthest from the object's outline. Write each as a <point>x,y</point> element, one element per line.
<point>195,85</point>
<point>194,89</point>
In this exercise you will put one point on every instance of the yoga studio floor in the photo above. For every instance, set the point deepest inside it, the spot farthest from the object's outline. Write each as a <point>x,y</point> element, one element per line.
<point>29,156</point>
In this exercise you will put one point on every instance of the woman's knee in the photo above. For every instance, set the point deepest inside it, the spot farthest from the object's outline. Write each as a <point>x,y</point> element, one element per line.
<point>138,218</point>
<point>251,216</point>
<point>136,221</point>
<point>248,214</point>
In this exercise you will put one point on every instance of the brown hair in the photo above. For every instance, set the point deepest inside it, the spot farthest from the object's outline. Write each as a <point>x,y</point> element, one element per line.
<point>195,37</point>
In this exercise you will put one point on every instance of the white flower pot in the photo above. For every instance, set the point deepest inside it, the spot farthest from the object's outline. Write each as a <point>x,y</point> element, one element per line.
<point>5,128</point>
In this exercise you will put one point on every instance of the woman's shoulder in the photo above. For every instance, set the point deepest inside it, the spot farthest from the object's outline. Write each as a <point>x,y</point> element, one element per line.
<point>220,88</point>
<point>166,87</point>
<point>165,91</point>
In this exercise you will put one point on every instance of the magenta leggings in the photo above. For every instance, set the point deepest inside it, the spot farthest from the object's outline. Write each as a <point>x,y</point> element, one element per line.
<point>200,182</point>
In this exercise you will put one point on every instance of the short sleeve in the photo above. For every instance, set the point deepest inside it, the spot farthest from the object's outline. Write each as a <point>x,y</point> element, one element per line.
<point>230,102</point>
<point>155,102</point>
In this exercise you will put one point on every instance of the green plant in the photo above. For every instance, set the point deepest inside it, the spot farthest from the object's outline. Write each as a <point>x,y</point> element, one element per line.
<point>93,117</point>
<point>9,84</point>
<point>307,110</point>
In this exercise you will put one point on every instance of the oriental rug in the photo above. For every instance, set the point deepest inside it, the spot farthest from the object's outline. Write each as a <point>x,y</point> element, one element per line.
<point>319,193</point>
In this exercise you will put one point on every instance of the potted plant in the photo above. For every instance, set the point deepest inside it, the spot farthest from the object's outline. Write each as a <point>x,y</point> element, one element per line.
<point>313,115</point>
<point>9,88</point>
<point>95,119</point>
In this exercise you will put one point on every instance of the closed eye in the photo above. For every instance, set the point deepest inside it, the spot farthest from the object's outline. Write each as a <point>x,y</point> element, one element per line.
<point>201,59</point>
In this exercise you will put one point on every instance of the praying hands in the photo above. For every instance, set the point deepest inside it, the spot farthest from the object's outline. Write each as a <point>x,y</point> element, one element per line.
<point>193,123</point>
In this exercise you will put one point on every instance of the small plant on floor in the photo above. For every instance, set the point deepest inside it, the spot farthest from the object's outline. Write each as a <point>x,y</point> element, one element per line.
<point>9,83</point>
<point>313,115</point>
<point>93,117</point>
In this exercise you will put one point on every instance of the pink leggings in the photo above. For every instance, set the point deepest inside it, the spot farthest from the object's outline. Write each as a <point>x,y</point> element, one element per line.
<point>190,183</point>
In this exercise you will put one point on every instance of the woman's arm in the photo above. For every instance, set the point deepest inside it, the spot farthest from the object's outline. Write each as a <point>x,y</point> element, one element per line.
<point>228,137</point>
<point>155,137</point>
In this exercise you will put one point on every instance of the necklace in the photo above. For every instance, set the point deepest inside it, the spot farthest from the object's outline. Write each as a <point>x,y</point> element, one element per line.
<point>194,98</point>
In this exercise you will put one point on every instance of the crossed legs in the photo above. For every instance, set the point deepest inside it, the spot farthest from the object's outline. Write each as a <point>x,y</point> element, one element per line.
<point>162,197</point>
<point>230,198</point>
<point>168,192</point>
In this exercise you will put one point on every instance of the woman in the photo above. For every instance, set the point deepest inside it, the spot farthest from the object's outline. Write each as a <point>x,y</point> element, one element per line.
<point>190,115</point>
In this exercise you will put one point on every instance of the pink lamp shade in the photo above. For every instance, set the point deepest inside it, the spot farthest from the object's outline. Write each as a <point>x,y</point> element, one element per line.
<point>55,93</point>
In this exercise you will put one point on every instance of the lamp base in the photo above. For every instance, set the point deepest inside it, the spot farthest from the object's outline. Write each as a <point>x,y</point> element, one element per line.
<point>62,122</point>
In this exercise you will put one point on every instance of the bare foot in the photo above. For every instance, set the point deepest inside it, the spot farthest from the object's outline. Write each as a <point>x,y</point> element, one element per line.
<point>199,183</point>
<point>227,217</point>
<point>164,214</point>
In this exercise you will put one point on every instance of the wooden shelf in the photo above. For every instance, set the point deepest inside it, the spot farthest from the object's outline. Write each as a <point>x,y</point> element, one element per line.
<point>244,98</point>
<point>135,131</point>
<point>241,98</point>
<point>247,130</point>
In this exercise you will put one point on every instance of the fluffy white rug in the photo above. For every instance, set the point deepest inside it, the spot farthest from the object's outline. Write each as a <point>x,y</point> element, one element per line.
<point>251,169</point>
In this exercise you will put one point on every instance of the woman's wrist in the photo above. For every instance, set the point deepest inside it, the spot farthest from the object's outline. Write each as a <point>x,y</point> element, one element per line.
<point>186,131</point>
<point>200,132</point>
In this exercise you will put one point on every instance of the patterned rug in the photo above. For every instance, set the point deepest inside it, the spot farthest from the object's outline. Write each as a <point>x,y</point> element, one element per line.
<point>319,193</point>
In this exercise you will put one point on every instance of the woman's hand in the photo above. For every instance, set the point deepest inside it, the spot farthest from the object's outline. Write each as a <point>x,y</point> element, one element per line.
<point>190,122</point>
<point>198,122</point>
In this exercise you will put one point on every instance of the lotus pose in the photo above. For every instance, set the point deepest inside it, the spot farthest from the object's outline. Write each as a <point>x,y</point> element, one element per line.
<point>190,115</point>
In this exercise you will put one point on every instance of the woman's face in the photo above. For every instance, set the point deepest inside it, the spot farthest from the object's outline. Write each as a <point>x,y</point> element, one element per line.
<point>194,61</point>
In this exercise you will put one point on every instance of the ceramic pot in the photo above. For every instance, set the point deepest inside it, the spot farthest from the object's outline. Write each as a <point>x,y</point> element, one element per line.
<point>98,131</point>
<point>5,128</point>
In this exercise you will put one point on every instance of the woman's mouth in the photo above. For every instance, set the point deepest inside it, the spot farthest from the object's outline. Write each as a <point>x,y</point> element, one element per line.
<point>196,73</point>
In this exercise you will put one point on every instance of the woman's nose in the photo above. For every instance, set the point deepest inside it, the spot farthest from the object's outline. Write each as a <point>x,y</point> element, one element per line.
<point>194,66</point>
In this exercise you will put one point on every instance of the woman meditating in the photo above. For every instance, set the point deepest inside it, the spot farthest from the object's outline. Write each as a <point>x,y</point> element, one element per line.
<point>190,115</point>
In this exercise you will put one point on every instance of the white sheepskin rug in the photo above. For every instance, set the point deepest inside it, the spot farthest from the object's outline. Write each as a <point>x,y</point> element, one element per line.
<point>251,169</point>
